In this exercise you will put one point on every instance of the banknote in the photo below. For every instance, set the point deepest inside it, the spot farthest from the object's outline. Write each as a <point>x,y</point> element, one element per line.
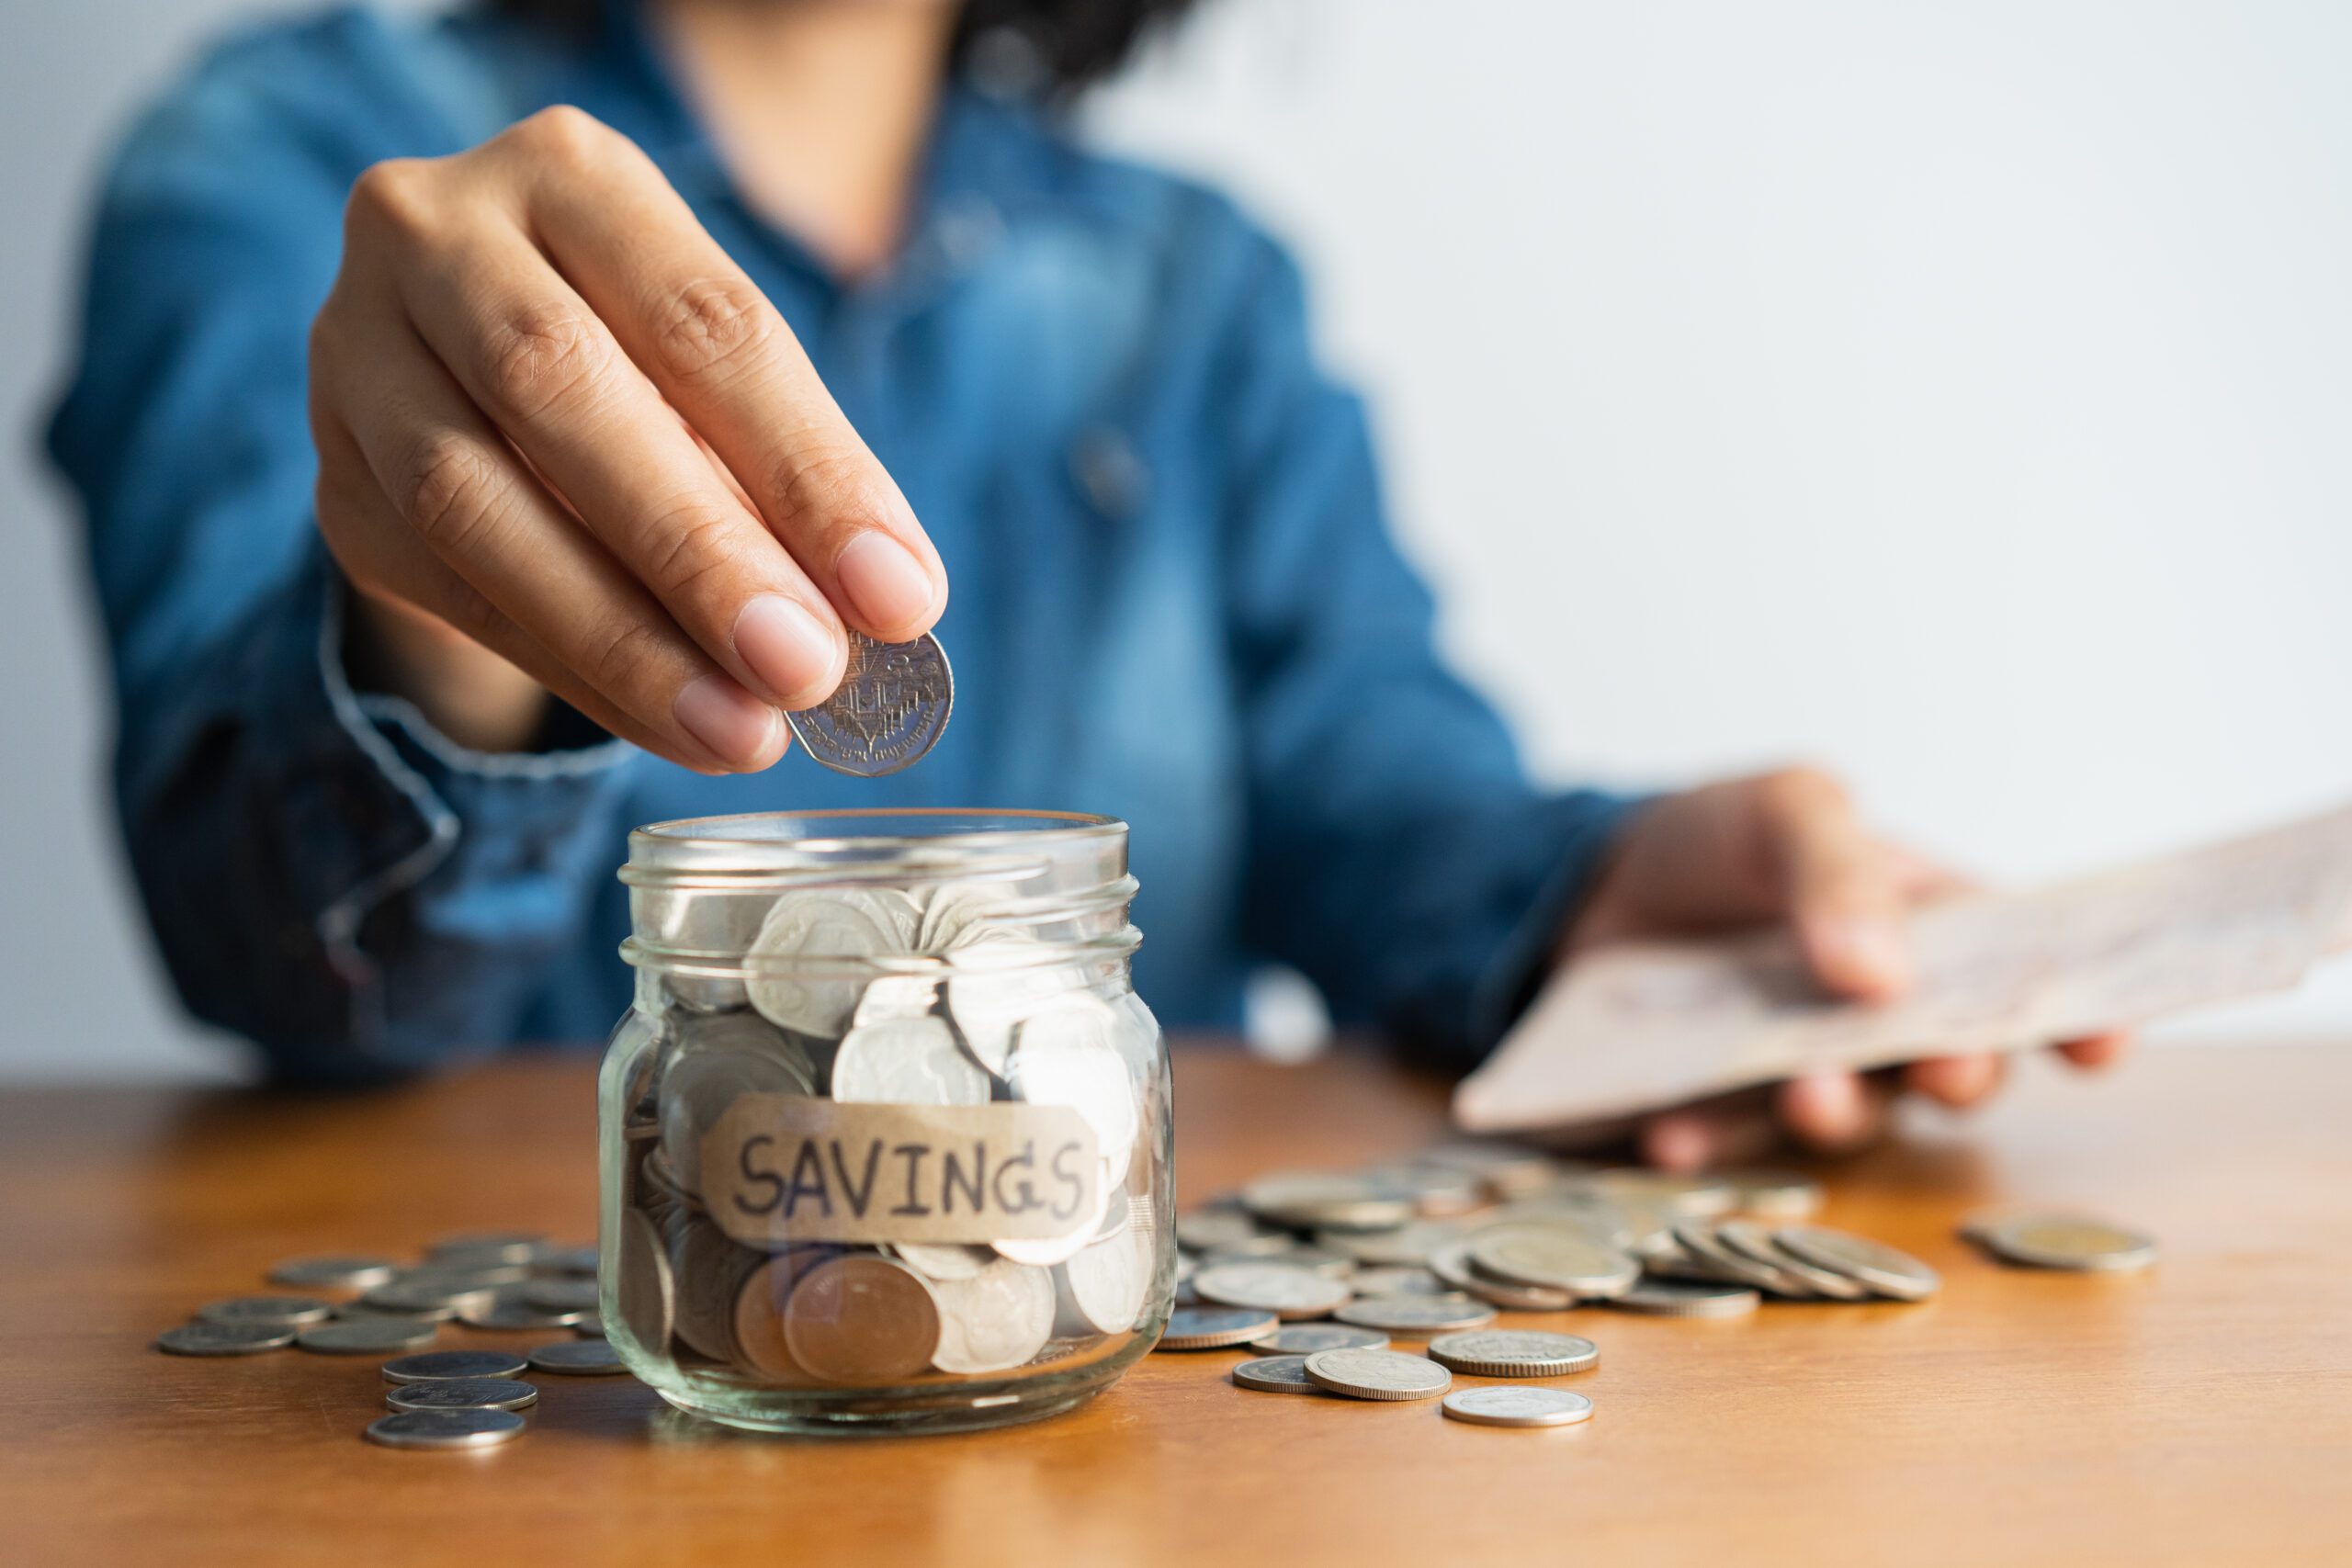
<point>1634,1028</point>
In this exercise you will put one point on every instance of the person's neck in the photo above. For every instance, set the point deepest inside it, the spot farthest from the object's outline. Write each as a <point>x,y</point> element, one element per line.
<point>821,108</point>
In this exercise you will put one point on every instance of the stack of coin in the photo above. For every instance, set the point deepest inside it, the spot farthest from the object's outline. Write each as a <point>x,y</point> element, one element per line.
<point>901,990</point>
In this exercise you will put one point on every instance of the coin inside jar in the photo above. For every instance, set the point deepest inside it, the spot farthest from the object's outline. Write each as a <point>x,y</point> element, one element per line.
<point>862,1320</point>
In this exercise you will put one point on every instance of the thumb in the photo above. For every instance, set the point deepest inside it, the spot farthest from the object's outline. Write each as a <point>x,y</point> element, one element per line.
<point>1840,888</point>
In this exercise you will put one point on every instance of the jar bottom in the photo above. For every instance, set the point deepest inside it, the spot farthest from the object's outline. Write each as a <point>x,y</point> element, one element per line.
<point>848,1415</point>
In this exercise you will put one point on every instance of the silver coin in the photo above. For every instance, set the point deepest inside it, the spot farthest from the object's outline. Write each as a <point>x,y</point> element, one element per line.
<point>369,1335</point>
<point>402,1298</point>
<point>1513,1353</point>
<point>1691,1196</point>
<point>458,1279</point>
<point>1101,1290</point>
<point>1068,1052</point>
<point>893,705</point>
<point>957,911</point>
<point>1450,1264</point>
<point>434,1366</point>
<point>481,1247</point>
<point>202,1339</point>
<point>1712,1255</point>
<point>1378,1374</point>
<point>507,1314</point>
<point>445,1429</point>
<point>334,1273</point>
<point>998,978</point>
<point>896,995</point>
<point>1407,1246</point>
<point>1882,1268</point>
<point>995,1321</point>
<point>1227,1231</point>
<point>907,1061</point>
<point>1510,1405</point>
<point>791,983</point>
<point>642,1289</point>
<point>589,1327</point>
<point>1529,1255</point>
<point>1436,1192</point>
<point>1213,1328</point>
<point>561,1295</point>
<point>1276,1375</point>
<point>1305,1338</point>
<point>294,1311</point>
<point>719,1060</point>
<point>579,1263</point>
<point>1295,1255</point>
<point>942,1262</point>
<point>710,1268</point>
<point>1507,1169</point>
<point>1312,1200</point>
<point>1755,1242</point>
<point>578,1357</point>
<point>1775,1194</point>
<point>1416,1314</point>
<point>1680,1298</point>
<point>2069,1242</point>
<point>462,1393</point>
<point>1277,1288</point>
<point>1382,1281</point>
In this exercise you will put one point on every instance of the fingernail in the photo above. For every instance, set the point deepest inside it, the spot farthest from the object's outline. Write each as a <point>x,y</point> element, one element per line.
<point>886,586</point>
<point>730,724</point>
<point>788,648</point>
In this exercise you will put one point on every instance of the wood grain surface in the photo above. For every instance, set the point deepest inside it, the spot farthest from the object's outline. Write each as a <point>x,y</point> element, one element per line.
<point>2198,1414</point>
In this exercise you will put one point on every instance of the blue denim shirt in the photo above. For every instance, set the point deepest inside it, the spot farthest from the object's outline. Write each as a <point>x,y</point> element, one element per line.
<point>1175,597</point>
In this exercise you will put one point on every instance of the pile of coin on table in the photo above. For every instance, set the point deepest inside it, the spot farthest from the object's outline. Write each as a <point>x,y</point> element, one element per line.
<point>361,1305</point>
<point>971,1008</point>
<point>1439,1244</point>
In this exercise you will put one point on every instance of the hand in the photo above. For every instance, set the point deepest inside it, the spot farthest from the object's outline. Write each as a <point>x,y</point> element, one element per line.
<point>554,418</point>
<point>1785,847</point>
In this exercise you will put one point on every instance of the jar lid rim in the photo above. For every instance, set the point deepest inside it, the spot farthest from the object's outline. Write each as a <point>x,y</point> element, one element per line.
<point>1014,826</point>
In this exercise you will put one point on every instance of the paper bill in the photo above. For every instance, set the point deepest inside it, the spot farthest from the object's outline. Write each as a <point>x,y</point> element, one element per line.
<point>1644,1026</point>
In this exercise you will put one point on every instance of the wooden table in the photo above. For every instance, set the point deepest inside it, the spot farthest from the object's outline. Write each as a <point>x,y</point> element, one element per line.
<point>2200,1413</point>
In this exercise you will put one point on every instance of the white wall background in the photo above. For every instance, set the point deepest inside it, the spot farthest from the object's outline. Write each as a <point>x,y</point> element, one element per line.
<point>1959,394</point>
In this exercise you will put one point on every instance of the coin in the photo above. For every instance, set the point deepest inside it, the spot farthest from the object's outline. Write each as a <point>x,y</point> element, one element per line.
<point>1308,1200</point>
<point>291,1311</point>
<point>758,1311</point>
<point>1378,1374</point>
<point>896,995</point>
<point>334,1273</point>
<point>1450,1264</point>
<point>582,1262</point>
<point>1512,1404</point>
<point>404,1298</point>
<point>937,1262</point>
<point>561,1295</point>
<point>995,1321</point>
<point>807,927</point>
<point>1416,1314</point>
<point>462,1393</point>
<point>2071,1242</point>
<point>434,1366</point>
<point>1755,1242</point>
<point>1276,1375</point>
<point>479,1246</point>
<point>459,1279</point>
<point>719,1060</point>
<point>907,1061</point>
<point>864,1320</point>
<point>1406,1245</point>
<point>1513,1353</point>
<point>1101,1290</point>
<point>201,1339</point>
<point>708,1268</point>
<point>371,1336</point>
<point>445,1429</point>
<point>1066,1053</point>
<point>1529,1255</point>
<point>1305,1338</point>
<point>891,706</point>
<point>642,1289</point>
<point>1277,1288</point>
<point>1227,1231</point>
<point>956,912</point>
<point>1506,1169</point>
<point>1692,1196</point>
<point>1213,1328</point>
<point>1294,1255</point>
<point>1882,1268</point>
<point>578,1357</point>
<point>1774,1194</point>
<point>1380,1281</point>
<point>1678,1298</point>
<point>1436,1192</point>
<point>999,979</point>
<point>1701,1246</point>
<point>589,1327</point>
<point>511,1313</point>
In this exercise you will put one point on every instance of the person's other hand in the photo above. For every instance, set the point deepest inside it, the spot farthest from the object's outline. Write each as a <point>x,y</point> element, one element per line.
<point>1786,847</point>
<point>561,433</point>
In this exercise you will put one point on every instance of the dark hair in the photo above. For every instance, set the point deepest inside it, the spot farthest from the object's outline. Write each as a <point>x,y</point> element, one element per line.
<point>1048,48</point>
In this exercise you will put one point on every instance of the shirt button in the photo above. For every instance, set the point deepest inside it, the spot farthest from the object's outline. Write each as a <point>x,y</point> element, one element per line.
<point>1109,472</point>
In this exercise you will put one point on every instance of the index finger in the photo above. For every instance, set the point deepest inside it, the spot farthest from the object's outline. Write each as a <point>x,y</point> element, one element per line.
<point>698,327</point>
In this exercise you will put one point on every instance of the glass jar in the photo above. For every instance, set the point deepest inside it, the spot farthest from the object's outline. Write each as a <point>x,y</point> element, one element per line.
<point>885,1140</point>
